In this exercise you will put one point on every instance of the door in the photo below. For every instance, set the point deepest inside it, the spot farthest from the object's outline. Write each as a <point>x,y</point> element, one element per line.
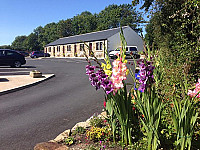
<point>64,51</point>
<point>54,51</point>
<point>10,57</point>
<point>75,51</point>
<point>90,49</point>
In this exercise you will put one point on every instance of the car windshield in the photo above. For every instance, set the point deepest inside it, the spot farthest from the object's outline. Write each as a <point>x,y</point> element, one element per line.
<point>133,49</point>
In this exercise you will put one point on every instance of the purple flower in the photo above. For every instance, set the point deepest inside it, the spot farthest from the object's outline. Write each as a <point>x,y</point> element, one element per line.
<point>89,69</point>
<point>99,78</point>
<point>142,87</point>
<point>146,75</point>
<point>108,89</point>
<point>142,66</point>
<point>92,76</point>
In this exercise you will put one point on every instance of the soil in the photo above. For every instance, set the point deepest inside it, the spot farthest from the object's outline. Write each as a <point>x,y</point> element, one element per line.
<point>82,143</point>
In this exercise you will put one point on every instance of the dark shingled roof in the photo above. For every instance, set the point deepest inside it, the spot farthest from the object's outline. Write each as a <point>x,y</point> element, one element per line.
<point>93,36</point>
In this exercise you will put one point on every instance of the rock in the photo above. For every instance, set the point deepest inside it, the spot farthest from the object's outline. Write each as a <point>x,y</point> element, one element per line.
<point>62,136</point>
<point>63,148</point>
<point>103,115</point>
<point>50,146</point>
<point>81,124</point>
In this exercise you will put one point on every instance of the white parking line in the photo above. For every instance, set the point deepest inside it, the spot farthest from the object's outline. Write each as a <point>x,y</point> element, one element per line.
<point>14,71</point>
<point>14,68</point>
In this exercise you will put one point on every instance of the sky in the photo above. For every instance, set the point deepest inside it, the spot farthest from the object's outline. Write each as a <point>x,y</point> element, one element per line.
<point>21,17</point>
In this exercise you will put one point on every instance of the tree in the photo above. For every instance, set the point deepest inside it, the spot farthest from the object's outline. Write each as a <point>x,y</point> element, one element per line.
<point>64,28</point>
<point>115,16</point>
<point>50,33</point>
<point>5,47</point>
<point>18,43</point>
<point>84,23</point>
<point>175,28</point>
<point>31,43</point>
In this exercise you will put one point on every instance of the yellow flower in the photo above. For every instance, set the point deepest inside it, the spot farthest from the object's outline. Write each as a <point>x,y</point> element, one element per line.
<point>103,65</point>
<point>108,66</point>
<point>125,61</point>
<point>108,72</point>
<point>127,71</point>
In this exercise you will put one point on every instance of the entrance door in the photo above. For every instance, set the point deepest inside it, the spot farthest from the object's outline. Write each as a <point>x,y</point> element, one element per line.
<point>75,51</point>
<point>90,49</point>
<point>54,51</point>
<point>64,51</point>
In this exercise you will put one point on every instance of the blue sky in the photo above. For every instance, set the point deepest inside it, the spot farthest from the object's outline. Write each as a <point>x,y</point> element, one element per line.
<point>21,17</point>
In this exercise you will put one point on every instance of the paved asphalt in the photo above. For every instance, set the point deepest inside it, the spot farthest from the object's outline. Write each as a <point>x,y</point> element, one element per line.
<point>40,113</point>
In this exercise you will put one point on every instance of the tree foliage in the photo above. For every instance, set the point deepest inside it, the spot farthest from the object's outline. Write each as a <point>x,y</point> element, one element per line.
<point>111,17</point>
<point>115,16</point>
<point>174,28</point>
<point>18,43</point>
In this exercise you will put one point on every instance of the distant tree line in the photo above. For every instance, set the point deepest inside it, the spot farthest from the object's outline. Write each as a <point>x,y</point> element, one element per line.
<point>111,17</point>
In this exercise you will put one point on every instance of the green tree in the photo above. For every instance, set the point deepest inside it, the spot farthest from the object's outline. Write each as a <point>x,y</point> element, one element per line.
<point>18,43</point>
<point>115,16</point>
<point>84,23</point>
<point>175,28</point>
<point>31,43</point>
<point>5,47</point>
<point>50,32</point>
<point>64,28</point>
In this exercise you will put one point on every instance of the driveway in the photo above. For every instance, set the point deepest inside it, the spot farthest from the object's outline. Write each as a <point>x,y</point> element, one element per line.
<point>41,112</point>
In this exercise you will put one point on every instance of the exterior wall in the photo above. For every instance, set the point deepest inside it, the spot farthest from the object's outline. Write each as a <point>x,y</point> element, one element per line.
<point>131,37</point>
<point>61,50</point>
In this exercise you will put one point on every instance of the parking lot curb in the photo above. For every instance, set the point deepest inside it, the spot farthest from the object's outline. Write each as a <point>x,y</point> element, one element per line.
<point>26,85</point>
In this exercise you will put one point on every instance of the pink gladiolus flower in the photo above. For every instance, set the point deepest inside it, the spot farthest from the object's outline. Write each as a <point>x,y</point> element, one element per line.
<point>118,74</point>
<point>195,91</point>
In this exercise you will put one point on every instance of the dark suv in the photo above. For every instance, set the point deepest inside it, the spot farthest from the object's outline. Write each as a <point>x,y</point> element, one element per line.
<point>11,58</point>
<point>36,54</point>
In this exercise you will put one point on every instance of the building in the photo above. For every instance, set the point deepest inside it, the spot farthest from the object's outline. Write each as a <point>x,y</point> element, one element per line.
<point>98,42</point>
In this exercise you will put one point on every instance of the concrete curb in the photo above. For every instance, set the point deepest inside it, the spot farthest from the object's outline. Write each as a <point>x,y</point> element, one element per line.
<point>26,85</point>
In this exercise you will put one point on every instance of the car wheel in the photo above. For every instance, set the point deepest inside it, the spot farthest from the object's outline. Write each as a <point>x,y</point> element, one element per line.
<point>17,64</point>
<point>35,57</point>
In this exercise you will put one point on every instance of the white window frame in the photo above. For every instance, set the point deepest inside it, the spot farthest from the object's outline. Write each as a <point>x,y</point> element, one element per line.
<point>99,45</point>
<point>69,48</point>
<point>82,48</point>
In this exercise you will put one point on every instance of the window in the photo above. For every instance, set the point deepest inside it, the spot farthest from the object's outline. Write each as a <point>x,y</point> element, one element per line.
<point>133,49</point>
<point>81,47</point>
<point>58,50</point>
<point>2,53</point>
<point>99,45</point>
<point>68,47</point>
<point>10,53</point>
<point>49,49</point>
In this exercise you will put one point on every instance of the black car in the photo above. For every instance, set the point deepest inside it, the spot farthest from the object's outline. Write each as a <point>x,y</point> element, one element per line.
<point>11,58</point>
<point>36,54</point>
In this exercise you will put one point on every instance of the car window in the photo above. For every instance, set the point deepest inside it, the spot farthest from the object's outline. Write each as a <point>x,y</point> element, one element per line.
<point>133,49</point>
<point>9,53</point>
<point>2,53</point>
